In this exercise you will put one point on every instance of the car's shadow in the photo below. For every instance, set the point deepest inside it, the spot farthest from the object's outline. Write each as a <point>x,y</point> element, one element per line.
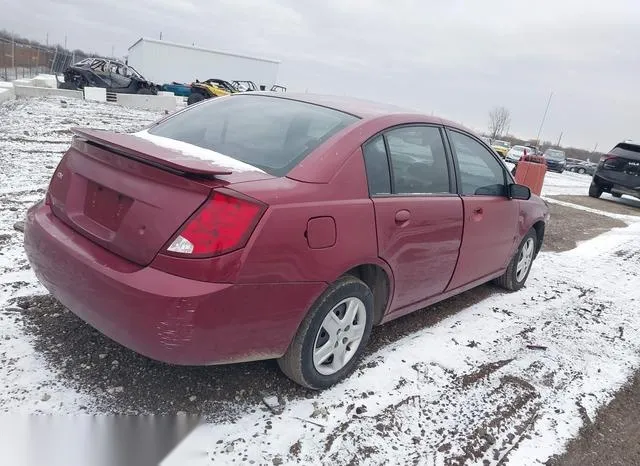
<point>124,382</point>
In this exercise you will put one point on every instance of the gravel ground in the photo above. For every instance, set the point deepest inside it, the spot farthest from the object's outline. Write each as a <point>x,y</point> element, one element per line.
<point>125,382</point>
<point>613,439</point>
<point>496,393</point>
<point>623,206</point>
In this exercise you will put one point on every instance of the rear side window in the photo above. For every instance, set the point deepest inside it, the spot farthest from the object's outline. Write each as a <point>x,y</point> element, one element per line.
<point>418,160</point>
<point>480,173</point>
<point>270,133</point>
<point>377,166</point>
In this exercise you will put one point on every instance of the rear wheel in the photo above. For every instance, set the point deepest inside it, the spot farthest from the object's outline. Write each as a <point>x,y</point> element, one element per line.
<point>595,190</point>
<point>518,269</point>
<point>616,194</point>
<point>582,171</point>
<point>332,337</point>
<point>195,97</point>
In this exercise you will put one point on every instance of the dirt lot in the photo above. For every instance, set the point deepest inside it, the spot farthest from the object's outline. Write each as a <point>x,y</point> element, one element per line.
<point>125,382</point>
<point>613,439</point>
<point>623,206</point>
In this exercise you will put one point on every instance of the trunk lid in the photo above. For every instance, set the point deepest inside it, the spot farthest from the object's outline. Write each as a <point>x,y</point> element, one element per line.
<point>130,194</point>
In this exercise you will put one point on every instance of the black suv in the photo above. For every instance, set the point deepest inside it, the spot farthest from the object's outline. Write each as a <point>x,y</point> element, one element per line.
<point>618,172</point>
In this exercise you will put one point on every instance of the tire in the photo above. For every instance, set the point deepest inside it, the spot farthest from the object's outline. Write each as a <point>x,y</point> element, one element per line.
<point>513,280</point>
<point>616,194</point>
<point>195,97</point>
<point>68,86</point>
<point>595,190</point>
<point>582,171</point>
<point>298,362</point>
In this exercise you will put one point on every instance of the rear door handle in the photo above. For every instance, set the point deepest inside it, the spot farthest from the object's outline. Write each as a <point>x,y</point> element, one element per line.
<point>477,214</point>
<point>402,216</point>
<point>478,211</point>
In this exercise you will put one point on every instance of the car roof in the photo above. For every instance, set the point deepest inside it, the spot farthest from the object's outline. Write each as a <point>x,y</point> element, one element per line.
<point>365,109</point>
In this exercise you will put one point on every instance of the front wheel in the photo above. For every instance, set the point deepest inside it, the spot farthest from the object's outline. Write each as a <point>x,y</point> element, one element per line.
<point>595,190</point>
<point>332,337</point>
<point>582,171</point>
<point>518,269</point>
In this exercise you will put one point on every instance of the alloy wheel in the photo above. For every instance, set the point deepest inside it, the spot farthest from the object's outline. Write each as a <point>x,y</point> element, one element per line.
<point>339,336</point>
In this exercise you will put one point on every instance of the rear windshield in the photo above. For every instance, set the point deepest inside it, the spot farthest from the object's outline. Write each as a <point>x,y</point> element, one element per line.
<point>554,154</point>
<point>627,150</point>
<point>270,133</point>
<point>500,143</point>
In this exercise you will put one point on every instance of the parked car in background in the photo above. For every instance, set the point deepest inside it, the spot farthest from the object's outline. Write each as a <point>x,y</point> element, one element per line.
<point>514,154</point>
<point>179,89</point>
<point>618,172</point>
<point>580,166</point>
<point>501,147</point>
<point>256,226</point>
<point>201,90</point>
<point>555,159</point>
<point>486,139</point>
<point>112,75</point>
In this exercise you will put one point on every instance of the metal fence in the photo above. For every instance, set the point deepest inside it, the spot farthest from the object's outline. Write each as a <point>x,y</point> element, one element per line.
<point>24,60</point>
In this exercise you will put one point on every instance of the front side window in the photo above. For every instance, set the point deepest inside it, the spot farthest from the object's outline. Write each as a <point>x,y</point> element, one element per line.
<point>480,173</point>
<point>418,160</point>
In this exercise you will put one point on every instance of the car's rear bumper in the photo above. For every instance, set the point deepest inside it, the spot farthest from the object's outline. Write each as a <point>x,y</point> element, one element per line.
<point>159,315</point>
<point>617,182</point>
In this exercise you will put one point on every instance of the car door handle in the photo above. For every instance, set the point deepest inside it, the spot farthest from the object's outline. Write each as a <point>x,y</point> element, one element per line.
<point>477,214</point>
<point>402,216</point>
<point>478,211</point>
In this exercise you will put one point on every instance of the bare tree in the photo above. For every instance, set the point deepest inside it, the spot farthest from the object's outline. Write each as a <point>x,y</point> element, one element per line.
<point>499,121</point>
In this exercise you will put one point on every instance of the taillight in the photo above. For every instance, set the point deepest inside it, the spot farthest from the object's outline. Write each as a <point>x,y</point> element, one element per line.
<point>223,224</point>
<point>609,161</point>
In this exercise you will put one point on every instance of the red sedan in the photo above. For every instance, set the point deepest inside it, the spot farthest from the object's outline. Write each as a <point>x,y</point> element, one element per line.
<point>269,226</point>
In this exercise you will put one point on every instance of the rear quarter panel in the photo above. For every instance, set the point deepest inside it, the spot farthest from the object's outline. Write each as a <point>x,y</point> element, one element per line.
<point>278,251</point>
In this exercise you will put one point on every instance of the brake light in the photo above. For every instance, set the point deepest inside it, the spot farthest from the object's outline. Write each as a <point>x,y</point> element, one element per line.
<point>609,161</point>
<point>222,225</point>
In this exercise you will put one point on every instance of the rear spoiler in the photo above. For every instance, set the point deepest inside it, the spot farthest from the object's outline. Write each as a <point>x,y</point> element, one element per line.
<point>142,150</point>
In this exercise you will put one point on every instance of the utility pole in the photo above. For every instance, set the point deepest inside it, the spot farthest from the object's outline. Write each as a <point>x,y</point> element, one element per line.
<point>65,42</point>
<point>160,35</point>
<point>13,53</point>
<point>544,117</point>
<point>112,51</point>
<point>47,39</point>
<point>559,139</point>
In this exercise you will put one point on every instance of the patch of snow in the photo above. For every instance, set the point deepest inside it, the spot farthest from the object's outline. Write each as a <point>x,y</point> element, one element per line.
<point>432,396</point>
<point>216,158</point>
<point>35,134</point>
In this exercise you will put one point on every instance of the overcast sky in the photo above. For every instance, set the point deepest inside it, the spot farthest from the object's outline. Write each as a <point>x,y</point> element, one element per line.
<point>455,58</point>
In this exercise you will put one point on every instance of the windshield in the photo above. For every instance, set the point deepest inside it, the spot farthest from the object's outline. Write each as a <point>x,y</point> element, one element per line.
<point>270,133</point>
<point>501,143</point>
<point>554,154</point>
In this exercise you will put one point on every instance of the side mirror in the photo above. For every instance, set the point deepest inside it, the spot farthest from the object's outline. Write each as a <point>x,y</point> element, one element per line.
<point>518,191</point>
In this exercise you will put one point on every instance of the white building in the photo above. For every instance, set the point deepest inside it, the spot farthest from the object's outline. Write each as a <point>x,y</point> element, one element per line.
<point>163,62</point>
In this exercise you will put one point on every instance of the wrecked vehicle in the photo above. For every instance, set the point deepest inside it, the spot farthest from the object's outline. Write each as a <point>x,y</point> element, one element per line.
<point>179,89</point>
<point>113,75</point>
<point>210,88</point>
